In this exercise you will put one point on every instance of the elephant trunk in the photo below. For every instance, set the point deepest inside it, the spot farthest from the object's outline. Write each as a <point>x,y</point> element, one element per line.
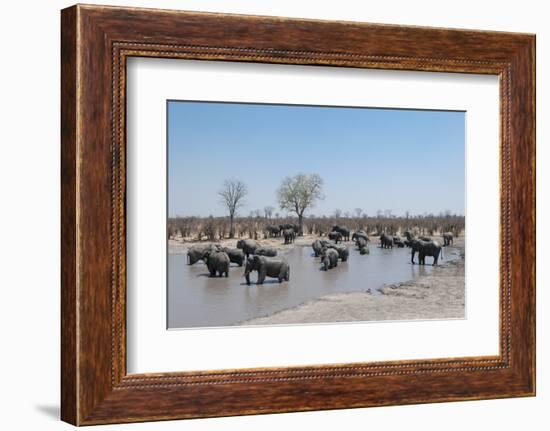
<point>247,277</point>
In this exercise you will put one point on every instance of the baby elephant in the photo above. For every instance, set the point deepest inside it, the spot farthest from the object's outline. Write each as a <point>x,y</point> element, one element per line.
<point>236,255</point>
<point>217,263</point>
<point>267,267</point>
<point>329,259</point>
<point>266,251</point>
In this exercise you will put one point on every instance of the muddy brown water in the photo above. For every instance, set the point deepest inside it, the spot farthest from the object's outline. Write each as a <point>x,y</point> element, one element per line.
<point>197,300</point>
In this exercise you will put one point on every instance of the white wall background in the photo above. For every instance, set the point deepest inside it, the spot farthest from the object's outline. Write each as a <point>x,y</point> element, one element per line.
<point>29,215</point>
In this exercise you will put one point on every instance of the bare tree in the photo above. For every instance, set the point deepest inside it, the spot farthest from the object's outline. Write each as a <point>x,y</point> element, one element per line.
<point>232,197</point>
<point>358,212</point>
<point>298,193</point>
<point>337,213</point>
<point>268,211</point>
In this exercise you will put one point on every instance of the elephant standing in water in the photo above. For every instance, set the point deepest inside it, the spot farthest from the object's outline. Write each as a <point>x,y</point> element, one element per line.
<point>197,252</point>
<point>342,250</point>
<point>248,246</point>
<point>386,241</point>
<point>448,238</point>
<point>317,247</point>
<point>425,248</point>
<point>329,259</point>
<point>267,267</point>
<point>217,263</point>
<point>236,255</point>
<point>360,234</point>
<point>362,245</point>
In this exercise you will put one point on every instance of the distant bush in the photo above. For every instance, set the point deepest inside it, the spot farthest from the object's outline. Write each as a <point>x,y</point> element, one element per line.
<point>217,228</point>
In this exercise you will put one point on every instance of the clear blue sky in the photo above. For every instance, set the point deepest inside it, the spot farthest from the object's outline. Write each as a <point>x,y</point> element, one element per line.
<point>374,159</point>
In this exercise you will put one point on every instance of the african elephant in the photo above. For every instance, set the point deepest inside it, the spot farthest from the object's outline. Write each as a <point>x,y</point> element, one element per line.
<point>361,242</point>
<point>360,234</point>
<point>289,235</point>
<point>342,250</point>
<point>448,238</point>
<point>386,241</point>
<point>236,255</point>
<point>272,231</point>
<point>217,263</point>
<point>267,267</point>
<point>317,247</point>
<point>266,251</point>
<point>343,230</point>
<point>409,235</point>
<point>335,236</point>
<point>425,248</point>
<point>196,252</point>
<point>329,259</point>
<point>284,226</point>
<point>248,246</point>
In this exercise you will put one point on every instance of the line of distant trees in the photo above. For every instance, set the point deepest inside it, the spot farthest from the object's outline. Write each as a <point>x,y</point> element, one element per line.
<point>217,228</point>
<point>295,196</point>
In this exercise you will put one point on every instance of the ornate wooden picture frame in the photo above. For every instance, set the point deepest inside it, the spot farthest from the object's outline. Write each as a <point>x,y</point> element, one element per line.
<point>96,42</point>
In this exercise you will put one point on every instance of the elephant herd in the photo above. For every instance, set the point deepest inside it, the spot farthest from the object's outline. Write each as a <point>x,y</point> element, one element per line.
<point>424,245</point>
<point>264,260</point>
<point>287,231</point>
<point>329,253</point>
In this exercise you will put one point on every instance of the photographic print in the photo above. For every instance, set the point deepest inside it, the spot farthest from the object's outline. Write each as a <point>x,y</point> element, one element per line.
<point>293,214</point>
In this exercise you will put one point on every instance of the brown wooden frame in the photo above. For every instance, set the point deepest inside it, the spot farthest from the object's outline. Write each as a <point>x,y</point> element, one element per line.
<point>95,43</point>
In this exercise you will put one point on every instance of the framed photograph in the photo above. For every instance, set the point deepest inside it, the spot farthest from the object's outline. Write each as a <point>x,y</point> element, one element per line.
<point>264,215</point>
